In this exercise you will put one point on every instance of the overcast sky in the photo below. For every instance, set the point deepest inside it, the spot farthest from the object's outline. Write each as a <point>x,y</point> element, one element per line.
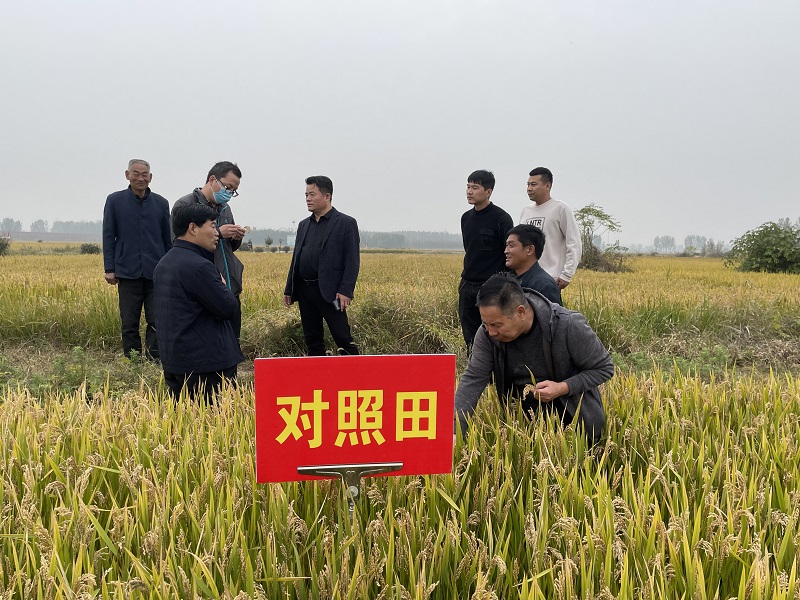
<point>676,117</point>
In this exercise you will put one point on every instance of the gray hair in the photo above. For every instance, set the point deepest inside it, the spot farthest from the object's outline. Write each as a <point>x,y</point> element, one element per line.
<point>138,161</point>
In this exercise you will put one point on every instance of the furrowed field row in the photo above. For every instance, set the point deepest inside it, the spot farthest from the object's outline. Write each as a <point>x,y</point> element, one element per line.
<point>407,303</point>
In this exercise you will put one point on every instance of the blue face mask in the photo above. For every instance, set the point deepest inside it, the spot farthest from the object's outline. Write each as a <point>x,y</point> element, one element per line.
<point>223,195</point>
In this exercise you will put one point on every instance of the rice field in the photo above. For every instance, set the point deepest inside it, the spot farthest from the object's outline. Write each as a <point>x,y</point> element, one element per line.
<point>109,490</point>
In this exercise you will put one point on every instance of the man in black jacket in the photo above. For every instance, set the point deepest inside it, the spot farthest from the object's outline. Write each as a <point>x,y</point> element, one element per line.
<point>524,246</point>
<point>135,237</point>
<point>324,268</point>
<point>194,308</point>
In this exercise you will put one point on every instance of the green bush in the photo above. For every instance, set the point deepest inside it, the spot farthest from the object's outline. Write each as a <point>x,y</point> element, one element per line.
<point>90,248</point>
<point>769,248</point>
<point>5,244</point>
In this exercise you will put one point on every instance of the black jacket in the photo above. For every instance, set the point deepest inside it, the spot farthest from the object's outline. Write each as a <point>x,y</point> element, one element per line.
<point>339,259</point>
<point>536,278</point>
<point>193,311</point>
<point>136,233</point>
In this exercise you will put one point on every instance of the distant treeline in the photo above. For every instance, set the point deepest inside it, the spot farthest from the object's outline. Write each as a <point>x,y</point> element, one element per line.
<point>412,240</point>
<point>77,227</point>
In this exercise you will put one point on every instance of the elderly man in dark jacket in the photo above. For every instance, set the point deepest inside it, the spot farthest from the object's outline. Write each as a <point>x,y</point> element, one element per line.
<point>537,351</point>
<point>135,236</point>
<point>195,308</point>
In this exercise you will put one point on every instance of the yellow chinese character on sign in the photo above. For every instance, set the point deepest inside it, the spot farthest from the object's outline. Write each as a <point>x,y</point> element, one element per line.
<point>365,415</point>
<point>290,418</point>
<point>416,415</point>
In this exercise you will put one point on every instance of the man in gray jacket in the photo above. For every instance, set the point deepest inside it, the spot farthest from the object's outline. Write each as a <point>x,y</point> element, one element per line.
<point>222,183</point>
<point>539,352</point>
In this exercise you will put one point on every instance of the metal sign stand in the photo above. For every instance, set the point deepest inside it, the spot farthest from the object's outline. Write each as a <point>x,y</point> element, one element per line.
<point>351,476</point>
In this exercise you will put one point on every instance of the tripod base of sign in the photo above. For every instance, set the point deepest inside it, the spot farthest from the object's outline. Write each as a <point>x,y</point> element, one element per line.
<point>351,475</point>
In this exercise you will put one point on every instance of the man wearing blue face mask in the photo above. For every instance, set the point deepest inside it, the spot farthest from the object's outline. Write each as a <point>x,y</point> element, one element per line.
<point>222,183</point>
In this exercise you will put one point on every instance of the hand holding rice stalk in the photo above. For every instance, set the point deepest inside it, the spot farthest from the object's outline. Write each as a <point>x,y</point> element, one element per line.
<point>531,389</point>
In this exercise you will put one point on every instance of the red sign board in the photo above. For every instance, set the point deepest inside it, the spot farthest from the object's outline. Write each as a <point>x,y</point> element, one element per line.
<point>329,410</point>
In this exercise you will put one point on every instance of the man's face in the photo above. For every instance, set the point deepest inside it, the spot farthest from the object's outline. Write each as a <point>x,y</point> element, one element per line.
<point>139,176</point>
<point>518,257</point>
<point>538,191</point>
<point>206,236</point>
<point>477,195</point>
<point>229,181</point>
<point>502,327</point>
<point>316,201</point>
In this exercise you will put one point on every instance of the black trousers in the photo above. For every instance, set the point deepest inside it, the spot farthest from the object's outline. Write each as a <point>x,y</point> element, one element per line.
<point>199,385</point>
<point>313,309</point>
<point>468,313</point>
<point>133,295</point>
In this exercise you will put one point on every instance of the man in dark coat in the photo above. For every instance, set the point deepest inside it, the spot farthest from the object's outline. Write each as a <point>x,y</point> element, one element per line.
<point>524,246</point>
<point>135,236</point>
<point>195,309</point>
<point>324,268</point>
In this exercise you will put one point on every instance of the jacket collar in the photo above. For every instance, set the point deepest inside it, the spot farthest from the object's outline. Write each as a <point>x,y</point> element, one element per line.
<point>544,311</point>
<point>135,197</point>
<point>200,197</point>
<point>186,245</point>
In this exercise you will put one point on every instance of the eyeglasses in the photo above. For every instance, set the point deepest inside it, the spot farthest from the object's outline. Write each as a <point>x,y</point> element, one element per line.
<point>233,192</point>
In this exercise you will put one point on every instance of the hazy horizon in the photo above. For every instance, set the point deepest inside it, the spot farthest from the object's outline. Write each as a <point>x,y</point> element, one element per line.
<point>677,119</point>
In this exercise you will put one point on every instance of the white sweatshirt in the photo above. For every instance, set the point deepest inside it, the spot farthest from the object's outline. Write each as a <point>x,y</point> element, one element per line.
<point>562,248</point>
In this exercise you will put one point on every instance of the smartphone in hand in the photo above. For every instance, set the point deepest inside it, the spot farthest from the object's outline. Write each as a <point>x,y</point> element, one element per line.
<point>337,304</point>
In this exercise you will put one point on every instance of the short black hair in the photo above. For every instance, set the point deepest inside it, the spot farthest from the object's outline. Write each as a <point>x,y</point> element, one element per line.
<point>482,177</point>
<point>547,175</point>
<point>529,235</point>
<point>183,216</point>
<point>221,169</point>
<point>324,184</point>
<point>503,291</point>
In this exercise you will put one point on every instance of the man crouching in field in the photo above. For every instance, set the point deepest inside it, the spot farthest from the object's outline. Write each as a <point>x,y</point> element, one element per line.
<point>194,308</point>
<point>524,334</point>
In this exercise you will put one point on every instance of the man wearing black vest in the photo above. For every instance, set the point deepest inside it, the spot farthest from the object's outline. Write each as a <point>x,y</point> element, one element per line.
<point>483,230</point>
